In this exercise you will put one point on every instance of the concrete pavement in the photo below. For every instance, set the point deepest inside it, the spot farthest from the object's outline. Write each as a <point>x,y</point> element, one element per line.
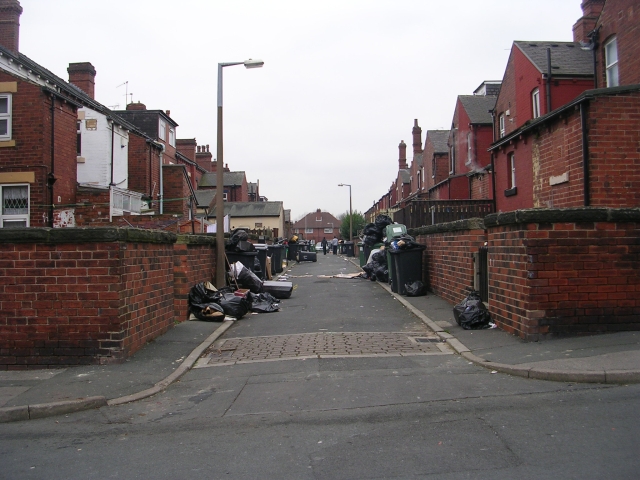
<point>610,358</point>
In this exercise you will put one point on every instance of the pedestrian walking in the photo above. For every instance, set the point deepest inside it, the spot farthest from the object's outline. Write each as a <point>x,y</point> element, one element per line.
<point>334,245</point>
<point>324,245</point>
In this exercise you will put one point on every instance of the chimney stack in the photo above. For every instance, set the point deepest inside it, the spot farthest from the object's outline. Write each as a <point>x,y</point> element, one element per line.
<point>136,106</point>
<point>204,159</point>
<point>10,11</point>
<point>83,76</point>
<point>417,138</point>
<point>402,161</point>
<point>591,10</point>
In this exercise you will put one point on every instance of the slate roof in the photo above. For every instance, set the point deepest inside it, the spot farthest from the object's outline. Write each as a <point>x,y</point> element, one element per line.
<point>405,175</point>
<point>477,107</point>
<point>567,58</point>
<point>205,197</point>
<point>229,179</point>
<point>439,139</point>
<point>250,209</point>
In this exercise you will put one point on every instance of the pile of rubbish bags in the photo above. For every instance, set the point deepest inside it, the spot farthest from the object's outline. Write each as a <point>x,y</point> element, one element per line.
<point>239,242</point>
<point>374,232</point>
<point>210,304</point>
<point>377,268</point>
<point>472,314</point>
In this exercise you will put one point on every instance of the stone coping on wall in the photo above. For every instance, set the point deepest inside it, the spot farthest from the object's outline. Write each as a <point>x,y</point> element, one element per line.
<point>84,235</point>
<point>458,225</point>
<point>563,215</point>
<point>203,239</point>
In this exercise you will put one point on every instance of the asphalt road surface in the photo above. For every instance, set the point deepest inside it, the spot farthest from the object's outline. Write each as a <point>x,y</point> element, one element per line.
<point>343,383</point>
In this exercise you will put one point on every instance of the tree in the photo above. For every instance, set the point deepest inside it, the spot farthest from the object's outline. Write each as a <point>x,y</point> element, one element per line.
<point>358,224</point>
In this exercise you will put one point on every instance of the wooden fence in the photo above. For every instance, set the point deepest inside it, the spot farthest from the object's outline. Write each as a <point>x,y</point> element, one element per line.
<point>422,213</point>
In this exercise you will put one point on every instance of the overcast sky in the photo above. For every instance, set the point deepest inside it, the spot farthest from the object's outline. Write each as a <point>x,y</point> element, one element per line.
<point>342,83</point>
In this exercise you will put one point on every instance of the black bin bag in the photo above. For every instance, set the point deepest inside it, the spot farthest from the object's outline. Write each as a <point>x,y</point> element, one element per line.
<point>415,289</point>
<point>471,314</point>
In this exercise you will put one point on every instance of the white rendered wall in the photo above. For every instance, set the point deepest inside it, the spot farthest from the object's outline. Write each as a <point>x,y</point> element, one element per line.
<point>94,164</point>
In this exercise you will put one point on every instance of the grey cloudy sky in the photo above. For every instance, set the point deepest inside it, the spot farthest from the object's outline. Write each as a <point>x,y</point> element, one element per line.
<point>343,80</point>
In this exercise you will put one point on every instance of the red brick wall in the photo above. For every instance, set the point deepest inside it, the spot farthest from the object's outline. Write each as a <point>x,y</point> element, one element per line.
<point>522,150</point>
<point>481,186</point>
<point>83,296</point>
<point>621,18</point>
<point>614,150</point>
<point>144,167</point>
<point>194,261</point>
<point>146,294</point>
<point>557,151</point>
<point>613,139</point>
<point>448,258</point>
<point>176,190</point>
<point>561,272</point>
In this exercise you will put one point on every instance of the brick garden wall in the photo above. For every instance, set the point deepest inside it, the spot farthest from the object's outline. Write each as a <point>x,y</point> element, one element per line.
<point>448,258</point>
<point>194,261</point>
<point>552,272</point>
<point>92,295</point>
<point>564,272</point>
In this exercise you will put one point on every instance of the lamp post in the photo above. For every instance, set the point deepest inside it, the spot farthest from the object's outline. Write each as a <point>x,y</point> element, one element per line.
<point>220,257</point>
<point>350,211</point>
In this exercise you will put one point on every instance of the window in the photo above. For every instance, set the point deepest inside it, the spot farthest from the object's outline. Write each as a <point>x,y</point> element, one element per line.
<point>258,225</point>
<point>535,100</point>
<point>469,150</point>
<point>611,62</point>
<point>172,137</point>
<point>502,128</point>
<point>162,130</point>
<point>125,201</point>
<point>5,117</point>
<point>511,176</point>
<point>15,206</point>
<point>308,230</point>
<point>328,230</point>
<point>296,230</point>
<point>79,140</point>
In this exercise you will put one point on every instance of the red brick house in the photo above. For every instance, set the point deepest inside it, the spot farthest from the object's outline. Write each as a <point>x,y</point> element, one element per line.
<point>317,225</point>
<point>539,78</point>
<point>236,187</point>
<point>435,158</point>
<point>583,152</point>
<point>470,135</point>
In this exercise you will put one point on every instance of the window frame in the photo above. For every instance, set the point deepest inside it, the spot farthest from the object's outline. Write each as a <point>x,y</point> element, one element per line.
<point>328,230</point>
<point>162,130</point>
<point>19,216</point>
<point>308,230</point>
<point>612,71</point>
<point>469,149</point>
<point>8,117</point>
<point>172,136</point>
<point>535,103</point>
<point>501,125</point>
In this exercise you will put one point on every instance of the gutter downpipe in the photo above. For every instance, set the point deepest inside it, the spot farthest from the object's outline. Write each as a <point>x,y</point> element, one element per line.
<point>585,154</point>
<point>161,193</point>
<point>51,177</point>
<point>493,169</point>
<point>111,184</point>
<point>548,80</point>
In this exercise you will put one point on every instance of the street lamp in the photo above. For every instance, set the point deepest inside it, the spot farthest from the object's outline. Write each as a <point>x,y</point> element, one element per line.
<point>220,256</point>
<point>350,211</point>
